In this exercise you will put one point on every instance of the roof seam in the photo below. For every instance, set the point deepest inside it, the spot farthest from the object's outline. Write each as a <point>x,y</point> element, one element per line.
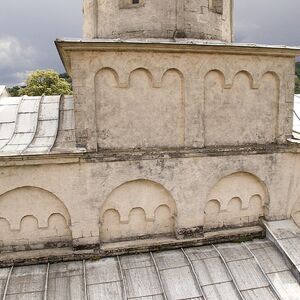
<point>264,273</point>
<point>194,274</point>
<point>229,272</point>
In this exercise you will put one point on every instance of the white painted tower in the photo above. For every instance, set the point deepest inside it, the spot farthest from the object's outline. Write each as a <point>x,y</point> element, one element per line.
<point>197,19</point>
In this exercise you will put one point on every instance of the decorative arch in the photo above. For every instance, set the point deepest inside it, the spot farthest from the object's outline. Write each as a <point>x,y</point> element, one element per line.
<point>141,72</point>
<point>110,71</point>
<point>272,73</point>
<point>235,200</point>
<point>177,71</point>
<point>233,111</point>
<point>137,209</point>
<point>250,78</point>
<point>216,73</point>
<point>163,220</point>
<point>29,212</point>
<point>142,111</point>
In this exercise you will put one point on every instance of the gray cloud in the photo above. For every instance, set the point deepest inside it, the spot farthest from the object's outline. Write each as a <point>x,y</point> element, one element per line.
<point>15,58</point>
<point>29,27</point>
<point>267,21</point>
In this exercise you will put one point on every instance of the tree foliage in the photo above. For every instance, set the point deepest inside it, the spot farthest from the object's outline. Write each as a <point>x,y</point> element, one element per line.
<point>45,82</point>
<point>14,91</point>
<point>66,77</point>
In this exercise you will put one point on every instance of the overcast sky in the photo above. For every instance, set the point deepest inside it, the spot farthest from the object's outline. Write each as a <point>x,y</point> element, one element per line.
<point>29,27</point>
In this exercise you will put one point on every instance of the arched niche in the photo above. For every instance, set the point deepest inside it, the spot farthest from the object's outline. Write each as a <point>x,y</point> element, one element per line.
<point>238,199</point>
<point>236,114</point>
<point>137,209</point>
<point>142,114</point>
<point>34,216</point>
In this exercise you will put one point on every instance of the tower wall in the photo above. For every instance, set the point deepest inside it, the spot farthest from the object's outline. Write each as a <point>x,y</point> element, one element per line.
<point>199,19</point>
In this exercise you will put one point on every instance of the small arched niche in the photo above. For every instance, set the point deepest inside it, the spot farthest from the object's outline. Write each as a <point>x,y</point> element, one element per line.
<point>34,216</point>
<point>239,103</point>
<point>137,209</point>
<point>146,113</point>
<point>238,199</point>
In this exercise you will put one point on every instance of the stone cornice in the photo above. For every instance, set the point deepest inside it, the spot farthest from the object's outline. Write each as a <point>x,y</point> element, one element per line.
<point>170,46</point>
<point>145,154</point>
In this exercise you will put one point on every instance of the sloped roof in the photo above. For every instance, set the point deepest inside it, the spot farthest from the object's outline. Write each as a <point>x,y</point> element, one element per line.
<point>254,270</point>
<point>296,117</point>
<point>3,91</point>
<point>36,125</point>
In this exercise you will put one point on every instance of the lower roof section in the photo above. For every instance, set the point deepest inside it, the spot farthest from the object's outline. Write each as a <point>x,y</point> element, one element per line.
<point>251,270</point>
<point>296,118</point>
<point>36,125</point>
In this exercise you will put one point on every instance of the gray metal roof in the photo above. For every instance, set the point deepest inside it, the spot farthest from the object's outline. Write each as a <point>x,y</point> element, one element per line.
<point>3,91</point>
<point>179,41</point>
<point>296,118</point>
<point>286,235</point>
<point>254,270</point>
<point>34,125</point>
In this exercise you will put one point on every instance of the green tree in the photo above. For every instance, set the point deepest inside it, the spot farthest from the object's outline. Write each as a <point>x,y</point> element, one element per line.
<point>14,91</point>
<point>297,85</point>
<point>66,77</point>
<point>45,82</point>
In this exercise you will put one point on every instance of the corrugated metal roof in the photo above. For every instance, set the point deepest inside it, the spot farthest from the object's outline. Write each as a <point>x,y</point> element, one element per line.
<point>254,270</point>
<point>2,88</point>
<point>36,125</point>
<point>3,91</point>
<point>296,117</point>
<point>286,234</point>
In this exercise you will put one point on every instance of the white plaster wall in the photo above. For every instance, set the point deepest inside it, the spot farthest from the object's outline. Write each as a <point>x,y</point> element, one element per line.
<point>144,99</point>
<point>84,187</point>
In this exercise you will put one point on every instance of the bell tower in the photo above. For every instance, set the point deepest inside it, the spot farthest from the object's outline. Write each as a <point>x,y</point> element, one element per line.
<point>127,19</point>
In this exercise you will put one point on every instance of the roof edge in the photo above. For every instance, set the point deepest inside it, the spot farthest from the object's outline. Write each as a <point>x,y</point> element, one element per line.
<point>65,46</point>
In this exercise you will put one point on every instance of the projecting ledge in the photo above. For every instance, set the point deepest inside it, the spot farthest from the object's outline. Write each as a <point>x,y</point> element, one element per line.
<point>111,249</point>
<point>65,46</point>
